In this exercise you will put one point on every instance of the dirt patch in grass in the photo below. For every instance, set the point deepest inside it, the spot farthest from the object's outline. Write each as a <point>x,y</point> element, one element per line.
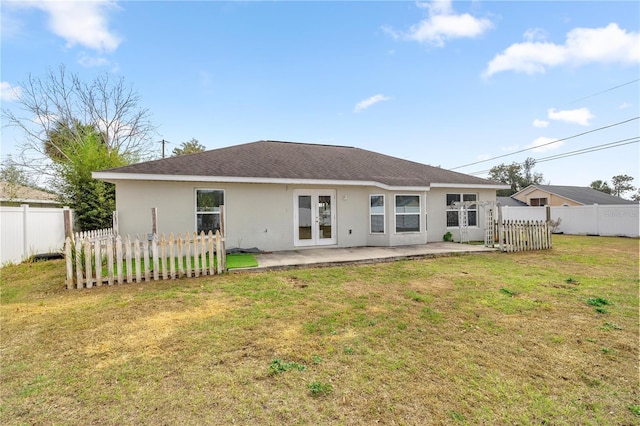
<point>478,339</point>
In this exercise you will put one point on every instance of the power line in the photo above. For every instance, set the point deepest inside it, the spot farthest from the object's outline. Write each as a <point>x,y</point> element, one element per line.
<point>601,92</point>
<point>549,143</point>
<point>587,150</point>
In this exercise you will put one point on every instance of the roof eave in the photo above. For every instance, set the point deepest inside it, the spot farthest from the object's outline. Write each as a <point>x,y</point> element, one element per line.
<point>470,185</point>
<point>116,177</point>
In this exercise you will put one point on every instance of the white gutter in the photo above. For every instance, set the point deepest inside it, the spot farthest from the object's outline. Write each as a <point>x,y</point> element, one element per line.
<point>467,185</point>
<point>115,177</point>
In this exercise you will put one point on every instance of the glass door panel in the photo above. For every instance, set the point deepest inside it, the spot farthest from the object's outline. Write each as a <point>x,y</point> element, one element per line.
<point>324,217</point>
<point>305,220</point>
<point>315,217</point>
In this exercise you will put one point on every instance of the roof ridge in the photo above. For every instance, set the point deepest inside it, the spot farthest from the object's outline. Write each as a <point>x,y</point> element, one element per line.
<point>306,143</point>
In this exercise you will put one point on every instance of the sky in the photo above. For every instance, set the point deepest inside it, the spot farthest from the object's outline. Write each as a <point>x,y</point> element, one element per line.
<point>460,85</point>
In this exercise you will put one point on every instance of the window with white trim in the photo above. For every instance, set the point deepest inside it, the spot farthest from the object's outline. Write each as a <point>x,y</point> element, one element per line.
<point>535,202</point>
<point>376,214</point>
<point>452,212</point>
<point>208,202</point>
<point>407,209</point>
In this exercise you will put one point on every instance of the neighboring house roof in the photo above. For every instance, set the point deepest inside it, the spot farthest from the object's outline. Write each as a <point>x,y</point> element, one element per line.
<point>583,195</point>
<point>289,162</point>
<point>15,193</point>
<point>511,202</point>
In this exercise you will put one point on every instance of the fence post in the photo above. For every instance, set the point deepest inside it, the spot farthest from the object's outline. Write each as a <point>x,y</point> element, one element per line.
<point>116,226</point>
<point>500,228</point>
<point>154,220</point>
<point>68,258</point>
<point>25,231</point>
<point>67,215</point>
<point>222,224</point>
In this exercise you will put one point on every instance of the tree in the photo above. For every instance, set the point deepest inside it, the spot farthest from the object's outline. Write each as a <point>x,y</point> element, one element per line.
<point>601,186</point>
<point>12,173</point>
<point>621,184</point>
<point>13,176</point>
<point>517,175</point>
<point>92,200</point>
<point>61,104</point>
<point>190,147</point>
<point>72,128</point>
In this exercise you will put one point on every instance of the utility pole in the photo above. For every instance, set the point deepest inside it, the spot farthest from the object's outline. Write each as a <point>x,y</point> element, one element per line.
<point>163,142</point>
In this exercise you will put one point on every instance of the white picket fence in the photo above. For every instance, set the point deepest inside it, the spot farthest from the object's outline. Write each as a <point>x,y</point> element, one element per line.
<point>524,235</point>
<point>110,259</point>
<point>94,234</point>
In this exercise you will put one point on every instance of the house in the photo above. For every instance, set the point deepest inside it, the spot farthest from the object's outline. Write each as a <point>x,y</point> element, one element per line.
<point>554,195</point>
<point>12,194</point>
<point>285,195</point>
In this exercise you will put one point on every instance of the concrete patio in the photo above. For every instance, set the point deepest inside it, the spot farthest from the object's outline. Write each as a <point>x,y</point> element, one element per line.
<point>356,255</point>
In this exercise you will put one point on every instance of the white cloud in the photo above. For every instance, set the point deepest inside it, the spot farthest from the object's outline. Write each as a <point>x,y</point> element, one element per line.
<point>8,92</point>
<point>582,45</point>
<point>540,123</point>
<point>82,23</point>
<point>543,144</point>
<point>366,103</point>
<point>535,34</point>
<point>92,61</point>
<point>441,25</point>
<point>624,105</point>
<point>579,116</point>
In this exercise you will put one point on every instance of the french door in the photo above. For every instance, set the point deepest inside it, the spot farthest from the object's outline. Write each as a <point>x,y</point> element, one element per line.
<point>314,217</point>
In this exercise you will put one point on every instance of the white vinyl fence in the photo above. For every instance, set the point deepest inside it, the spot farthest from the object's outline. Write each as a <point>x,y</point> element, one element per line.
<point>25,231</point>
<point>606,220</point>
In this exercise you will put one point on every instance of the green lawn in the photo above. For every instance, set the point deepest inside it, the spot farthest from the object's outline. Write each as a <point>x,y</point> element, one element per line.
<point>546,337</point>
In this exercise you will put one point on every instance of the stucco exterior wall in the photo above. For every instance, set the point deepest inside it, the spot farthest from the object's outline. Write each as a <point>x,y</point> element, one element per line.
<point>262,215</point>
<point>437,214</point>
<point>552,199</point>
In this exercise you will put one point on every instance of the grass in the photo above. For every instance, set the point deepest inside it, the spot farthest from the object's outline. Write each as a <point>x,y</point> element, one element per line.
<point>472,339</point>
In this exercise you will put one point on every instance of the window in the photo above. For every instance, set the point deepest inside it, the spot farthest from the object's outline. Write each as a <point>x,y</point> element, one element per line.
<point>407,213</point>
<point>452,212</point>
<point>208,202</point>
<point>376,214</point>
<point>538,202</point>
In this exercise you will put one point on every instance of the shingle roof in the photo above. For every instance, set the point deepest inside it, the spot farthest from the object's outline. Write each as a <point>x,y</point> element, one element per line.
<point>289,160</point>
<point>18,193</point>
<point>583,195</point>
<point>509,201</point>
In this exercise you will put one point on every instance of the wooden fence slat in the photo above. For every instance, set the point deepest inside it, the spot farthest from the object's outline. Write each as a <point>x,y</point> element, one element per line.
<point>87,263</point>
<point>163,257</point>
<point>154,253</point>
<point>203,253</point>
<point>119,259</point>
<point>172,259</point>
<point>219,253</point>
<point>127,253</point>
<point>212,269</point>
<point>68,259</point>
<point>98,262</point>
<point>187,253</point>
<point>110,261</point>
<point>136,253</point>
<point>196,266</point>
<point>145,254</point>
<point>180,257</point>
